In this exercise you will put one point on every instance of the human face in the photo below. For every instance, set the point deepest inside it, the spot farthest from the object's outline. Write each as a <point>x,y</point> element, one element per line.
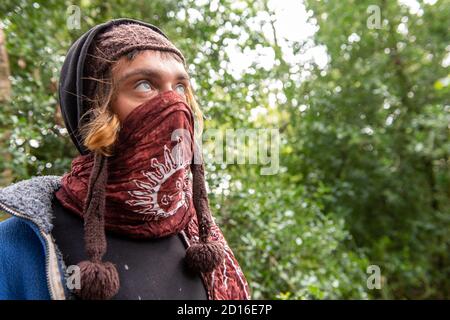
<point>144,77</point>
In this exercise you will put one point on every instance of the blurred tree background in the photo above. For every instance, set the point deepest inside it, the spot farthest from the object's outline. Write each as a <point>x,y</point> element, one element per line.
<point>364,154</point>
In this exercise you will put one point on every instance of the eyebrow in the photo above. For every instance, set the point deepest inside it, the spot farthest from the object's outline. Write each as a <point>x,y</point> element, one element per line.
<point>151,73</point>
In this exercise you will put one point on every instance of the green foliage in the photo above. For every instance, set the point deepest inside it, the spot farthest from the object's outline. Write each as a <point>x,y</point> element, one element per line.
<point>364,141</point>
<point>289,247</point>
<point>384,125</point>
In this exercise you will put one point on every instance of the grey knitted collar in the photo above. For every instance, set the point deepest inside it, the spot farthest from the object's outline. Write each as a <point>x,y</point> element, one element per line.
<point>33,198</point>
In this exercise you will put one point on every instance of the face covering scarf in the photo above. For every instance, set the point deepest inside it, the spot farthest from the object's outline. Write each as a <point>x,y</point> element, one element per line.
<point>150,192</point>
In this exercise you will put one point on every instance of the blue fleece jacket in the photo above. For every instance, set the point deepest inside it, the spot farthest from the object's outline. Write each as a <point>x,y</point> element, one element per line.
<point>22,262</point>
<point>31,266</point>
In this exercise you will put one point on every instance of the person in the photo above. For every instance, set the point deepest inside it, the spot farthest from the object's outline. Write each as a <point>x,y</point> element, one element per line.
<point>131,218</point>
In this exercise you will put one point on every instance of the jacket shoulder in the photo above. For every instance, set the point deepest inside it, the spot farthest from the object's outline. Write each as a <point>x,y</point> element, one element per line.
<point>31,199</point>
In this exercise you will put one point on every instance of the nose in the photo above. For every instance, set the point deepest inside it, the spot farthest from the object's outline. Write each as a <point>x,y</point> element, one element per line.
<point>167,86</point>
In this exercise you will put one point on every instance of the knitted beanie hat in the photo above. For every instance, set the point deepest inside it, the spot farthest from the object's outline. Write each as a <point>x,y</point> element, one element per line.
<point>117,41</point>
<point>100,280</point>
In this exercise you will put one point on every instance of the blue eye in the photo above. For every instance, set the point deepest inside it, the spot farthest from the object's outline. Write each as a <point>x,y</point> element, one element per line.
<point>183,89</point>
<point>143,86</point>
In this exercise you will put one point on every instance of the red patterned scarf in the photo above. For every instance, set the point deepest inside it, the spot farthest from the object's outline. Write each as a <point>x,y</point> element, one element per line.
<point>149,193</point>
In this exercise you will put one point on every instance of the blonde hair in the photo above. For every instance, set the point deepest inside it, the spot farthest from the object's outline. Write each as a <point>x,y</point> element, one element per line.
<point>101,130</point>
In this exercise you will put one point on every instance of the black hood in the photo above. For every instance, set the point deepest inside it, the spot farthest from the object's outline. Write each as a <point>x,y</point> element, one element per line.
<point>70,89</point>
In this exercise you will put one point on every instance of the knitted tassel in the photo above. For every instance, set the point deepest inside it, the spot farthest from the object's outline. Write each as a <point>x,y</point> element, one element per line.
<point>206,255</point>
<point>99,280</point>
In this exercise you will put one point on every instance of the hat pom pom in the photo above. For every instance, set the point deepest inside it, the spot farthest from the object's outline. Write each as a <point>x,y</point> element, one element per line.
<point>99,280</point>
<point>204,257</point>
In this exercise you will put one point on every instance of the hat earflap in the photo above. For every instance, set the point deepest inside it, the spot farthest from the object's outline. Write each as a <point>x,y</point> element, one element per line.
<point>205,255</point>
<point>99,280</point>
